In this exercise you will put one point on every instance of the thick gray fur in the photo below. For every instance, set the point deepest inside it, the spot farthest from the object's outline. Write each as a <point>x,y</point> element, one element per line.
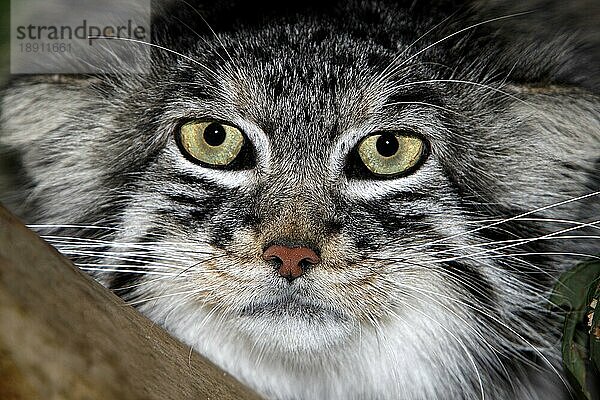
<point>422,293</point>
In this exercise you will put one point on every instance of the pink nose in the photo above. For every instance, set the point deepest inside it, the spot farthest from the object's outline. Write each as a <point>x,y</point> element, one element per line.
<point>291,261</point>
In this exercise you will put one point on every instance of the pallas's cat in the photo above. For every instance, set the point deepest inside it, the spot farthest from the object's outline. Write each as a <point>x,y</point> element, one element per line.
<point>363,200</point>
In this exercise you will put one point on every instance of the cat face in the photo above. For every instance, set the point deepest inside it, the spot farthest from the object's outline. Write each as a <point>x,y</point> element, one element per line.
<point>297,181</point>
<point>323,209</point>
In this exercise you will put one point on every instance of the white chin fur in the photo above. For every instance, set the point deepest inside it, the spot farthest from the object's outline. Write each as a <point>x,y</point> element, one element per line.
<point>330,360</point>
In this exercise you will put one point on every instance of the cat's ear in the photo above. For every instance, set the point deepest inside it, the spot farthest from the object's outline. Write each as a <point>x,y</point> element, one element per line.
<point>45,134</point>
<point>541,148</point>
<point>538,136</point>
<point>567,34</point>
<point>550,52</point>
<point>562,126</point>
<point>32,106</point>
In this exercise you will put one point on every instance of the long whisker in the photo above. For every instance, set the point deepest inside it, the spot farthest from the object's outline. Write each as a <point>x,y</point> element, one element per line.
<point>540,253</point>
<point>96,268</point>
<point>422,103</point>
<point>515,241</point>
<point>155,46</point>
<point>505,220</point>
<point>388,71</point>
<point>72,226</point>
<point>556,220</point>
<point>160,245</point>
<point>508,246</point>
<point>146,299</point>
<point>127,257</point>
<point>209,27</point>
<point>463,82</point>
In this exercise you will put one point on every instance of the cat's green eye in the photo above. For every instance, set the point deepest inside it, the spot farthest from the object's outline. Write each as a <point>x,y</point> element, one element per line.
<point>391,154</point>
<point>210,142</point>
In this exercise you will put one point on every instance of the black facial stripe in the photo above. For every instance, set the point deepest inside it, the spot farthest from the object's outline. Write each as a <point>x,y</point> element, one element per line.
<point>393,224</point>
<point>221,233</point>
<point>390,217</point>
<point>420,95</point>
<point>122,283</point>
<point>153,234</point>
<point>189,217</point>
<point>471,280</point>
<point>186,200</point>
<point>190,179</point>
<point>364,241</point>
<point>409,197</point>
<point>389,231</point>
<point>190,210</point>
<point>193,212</point>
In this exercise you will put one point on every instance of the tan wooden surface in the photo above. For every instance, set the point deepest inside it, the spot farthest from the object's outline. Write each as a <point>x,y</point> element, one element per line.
<point>64,336</point>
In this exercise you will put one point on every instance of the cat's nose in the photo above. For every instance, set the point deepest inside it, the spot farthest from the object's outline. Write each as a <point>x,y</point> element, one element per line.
<point>291,262</point>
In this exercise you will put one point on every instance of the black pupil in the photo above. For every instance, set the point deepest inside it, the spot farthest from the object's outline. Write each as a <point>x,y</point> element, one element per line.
<point>387,144</point>
<point>214,134</point>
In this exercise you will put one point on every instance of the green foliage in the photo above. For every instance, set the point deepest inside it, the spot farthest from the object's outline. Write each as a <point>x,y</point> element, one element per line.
<point>578,294</point>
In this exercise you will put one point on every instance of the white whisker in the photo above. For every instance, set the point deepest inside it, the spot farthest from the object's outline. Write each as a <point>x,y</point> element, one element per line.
<point>211,72</point>
<point>392,68</point>
<point>107,268</point>
<point>516,217</point>
<point>463,82</point>
<point>163,296</point>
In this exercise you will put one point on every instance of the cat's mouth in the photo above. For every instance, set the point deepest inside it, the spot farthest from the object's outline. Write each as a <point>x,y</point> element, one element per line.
<point>285,324</point>
<point>292,306</point>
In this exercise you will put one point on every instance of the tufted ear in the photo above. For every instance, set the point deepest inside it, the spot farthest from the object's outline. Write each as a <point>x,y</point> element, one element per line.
<point>539,148</point>
<point>545,133</point>
<point>569,30</point>
<point>560,127</point>
<point>35,113</point>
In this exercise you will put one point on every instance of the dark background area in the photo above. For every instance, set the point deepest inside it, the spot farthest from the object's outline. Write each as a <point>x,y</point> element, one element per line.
<point>7,161</point>
<point>4,39</point>
<point>547,18</point>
